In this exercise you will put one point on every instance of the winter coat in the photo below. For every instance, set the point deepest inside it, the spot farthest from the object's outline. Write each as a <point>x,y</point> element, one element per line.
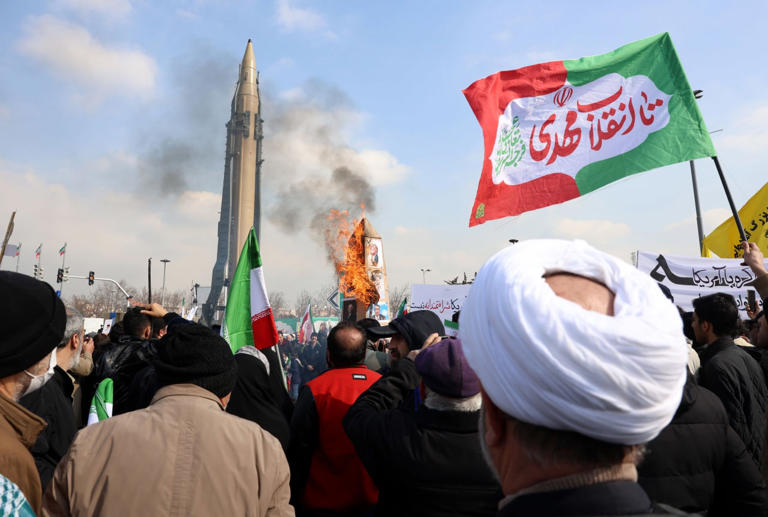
<point>425,462</point>
<point>183,455</point>
<point>608,498</point>
<point>699,464</point>
<point>19,429</point>
<point>737,379</point>
<point>313,356</point>
<point>53,403</point>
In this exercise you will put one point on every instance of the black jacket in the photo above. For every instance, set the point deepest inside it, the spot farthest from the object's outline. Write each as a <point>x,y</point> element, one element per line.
<point>737,379</point>
<point>424,462</point>
<point>611,498</point>
<point>698,463</point>
<point>53,403</point>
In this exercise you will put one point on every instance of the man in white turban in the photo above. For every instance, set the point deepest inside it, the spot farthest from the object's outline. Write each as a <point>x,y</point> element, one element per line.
<point>582,360</point>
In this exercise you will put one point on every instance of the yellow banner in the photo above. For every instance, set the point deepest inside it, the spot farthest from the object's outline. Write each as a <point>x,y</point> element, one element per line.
<point>725,241</point>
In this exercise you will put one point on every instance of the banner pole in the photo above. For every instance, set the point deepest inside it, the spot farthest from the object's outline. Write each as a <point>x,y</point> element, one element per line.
<point>730,199</point>
<point>698,207</point>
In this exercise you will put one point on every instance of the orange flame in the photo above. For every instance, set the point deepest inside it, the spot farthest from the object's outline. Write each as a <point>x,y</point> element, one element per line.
<point>347,251</point>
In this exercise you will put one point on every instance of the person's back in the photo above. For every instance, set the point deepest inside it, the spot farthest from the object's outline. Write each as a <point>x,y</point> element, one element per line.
<point>326,473</point>
<point>699,464</point>
<point>434,451</point>
<point>183,455</point>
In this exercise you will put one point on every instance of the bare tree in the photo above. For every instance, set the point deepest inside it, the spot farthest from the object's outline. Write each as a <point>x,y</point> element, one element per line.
<point>302,300</point>
<point>396,297</point>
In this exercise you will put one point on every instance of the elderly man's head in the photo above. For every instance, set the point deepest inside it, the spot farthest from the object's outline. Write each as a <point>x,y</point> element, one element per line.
<point>71,344</point>
<point>581,358</point>
<point>32,322</point>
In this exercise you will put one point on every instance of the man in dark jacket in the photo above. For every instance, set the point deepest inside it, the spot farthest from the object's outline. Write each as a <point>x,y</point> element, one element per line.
<point>313,359</point>
<point>53,402</point>
<point>326,474</point>
<point>427,462</point>
<point>699,464</point>
<point>729,372</point>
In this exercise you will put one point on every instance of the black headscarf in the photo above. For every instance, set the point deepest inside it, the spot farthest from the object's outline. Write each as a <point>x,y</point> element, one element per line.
<point>261,397</point>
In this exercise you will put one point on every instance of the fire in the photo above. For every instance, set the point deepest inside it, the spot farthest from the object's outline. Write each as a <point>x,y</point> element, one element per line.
<point>347,251</point>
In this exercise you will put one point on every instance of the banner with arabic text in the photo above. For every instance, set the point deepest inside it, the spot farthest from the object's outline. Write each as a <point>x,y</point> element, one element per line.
<point>692,277</point>
<point>443,300</point>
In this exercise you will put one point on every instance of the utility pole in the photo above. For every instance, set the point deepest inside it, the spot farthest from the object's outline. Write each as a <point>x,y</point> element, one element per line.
<point>162,298</point>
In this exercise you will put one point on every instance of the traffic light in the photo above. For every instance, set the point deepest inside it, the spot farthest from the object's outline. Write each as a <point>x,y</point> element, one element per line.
<point>36,273</point>
<point>60,275</point>
<point>91,277</point>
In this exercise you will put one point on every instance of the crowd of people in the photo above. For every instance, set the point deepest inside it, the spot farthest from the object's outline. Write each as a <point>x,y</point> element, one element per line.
<point>576,387</point>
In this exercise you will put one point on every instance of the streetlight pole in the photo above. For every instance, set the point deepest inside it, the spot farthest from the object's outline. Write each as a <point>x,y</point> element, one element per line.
<point>162,297</point>
<point>424,272</point>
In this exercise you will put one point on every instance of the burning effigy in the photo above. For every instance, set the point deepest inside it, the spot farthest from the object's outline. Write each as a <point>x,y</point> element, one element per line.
<point>357,252</point>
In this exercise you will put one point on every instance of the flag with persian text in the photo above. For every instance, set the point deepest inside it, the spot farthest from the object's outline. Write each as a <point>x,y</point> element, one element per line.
<point>558,130</point>
<point>725,240</point>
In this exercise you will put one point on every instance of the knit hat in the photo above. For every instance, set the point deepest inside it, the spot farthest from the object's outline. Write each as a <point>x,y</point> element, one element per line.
<point>415,327</point>
<point>32,321</point>
<point>194,354</point>
<point>445,370</point>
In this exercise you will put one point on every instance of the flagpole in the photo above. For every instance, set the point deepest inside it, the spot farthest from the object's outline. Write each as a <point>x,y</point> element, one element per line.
<point>730,199</point>
<point>7,237</point>
<point>698,207</point>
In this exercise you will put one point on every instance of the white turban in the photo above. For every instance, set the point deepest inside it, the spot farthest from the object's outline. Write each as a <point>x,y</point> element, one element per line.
<point>547,361</point>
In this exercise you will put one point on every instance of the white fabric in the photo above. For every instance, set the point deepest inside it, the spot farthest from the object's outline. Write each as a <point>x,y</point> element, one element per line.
<point>254,352</point>
<point>547,361</point>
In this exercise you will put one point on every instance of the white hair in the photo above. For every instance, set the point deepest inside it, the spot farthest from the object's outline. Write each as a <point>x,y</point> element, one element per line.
<point>439,402</point>
<point>75,323</point>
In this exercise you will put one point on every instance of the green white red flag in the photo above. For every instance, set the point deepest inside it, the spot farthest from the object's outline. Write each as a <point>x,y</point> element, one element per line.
<point>558,130</point>
<point>248,318</point>
<point>307,327</point>
<point>63,249</point>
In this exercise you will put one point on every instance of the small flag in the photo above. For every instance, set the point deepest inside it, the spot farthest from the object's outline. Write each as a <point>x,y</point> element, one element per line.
<point>18,250</point>
<point>11,250</point>
<point>248,318</point>
<point>101,405</point>
<point>63,249</point>
<point>725,240</point>
<point>38,250</point>
<point>401,311</point>
<point>558,130</point>
<point>307,327</point>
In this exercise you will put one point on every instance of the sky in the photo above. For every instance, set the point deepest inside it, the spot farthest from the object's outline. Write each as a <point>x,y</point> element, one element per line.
<point>113,113</point>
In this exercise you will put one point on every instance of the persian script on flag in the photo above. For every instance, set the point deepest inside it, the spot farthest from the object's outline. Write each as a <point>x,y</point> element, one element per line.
<point>557,130</point>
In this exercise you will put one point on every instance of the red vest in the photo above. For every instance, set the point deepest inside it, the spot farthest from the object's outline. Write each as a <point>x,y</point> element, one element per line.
<point>337,478</point>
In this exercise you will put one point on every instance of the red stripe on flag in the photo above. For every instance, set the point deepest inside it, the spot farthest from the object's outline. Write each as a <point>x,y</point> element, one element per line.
<point>264,329</point>
<point>489,98</point>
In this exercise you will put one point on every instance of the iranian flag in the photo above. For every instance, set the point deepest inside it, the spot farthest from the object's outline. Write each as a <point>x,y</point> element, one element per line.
<point>558,130</point>
<point>248,318</point>
<point>307,327</point>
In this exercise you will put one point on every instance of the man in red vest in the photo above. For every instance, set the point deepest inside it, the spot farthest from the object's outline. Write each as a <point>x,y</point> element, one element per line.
<point>327,476</point>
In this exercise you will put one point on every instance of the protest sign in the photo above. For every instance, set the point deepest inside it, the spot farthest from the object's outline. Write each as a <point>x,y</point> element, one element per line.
<point>692,277</point>
<point>443,300</point>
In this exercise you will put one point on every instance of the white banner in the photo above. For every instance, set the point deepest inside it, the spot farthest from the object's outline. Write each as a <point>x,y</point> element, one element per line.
<point>443,300</point>
<point>692,277</point>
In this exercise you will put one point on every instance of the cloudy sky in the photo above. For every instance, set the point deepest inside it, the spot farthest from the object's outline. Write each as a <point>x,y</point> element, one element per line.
<point>112,117</point>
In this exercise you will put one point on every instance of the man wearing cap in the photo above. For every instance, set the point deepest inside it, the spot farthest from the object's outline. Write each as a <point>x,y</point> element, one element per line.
<point>183,455</point>
<point>33,320</point>
<point>427,462</point>
<point>582,361</point>
<point>327,477</point>
<point>408,332</point>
